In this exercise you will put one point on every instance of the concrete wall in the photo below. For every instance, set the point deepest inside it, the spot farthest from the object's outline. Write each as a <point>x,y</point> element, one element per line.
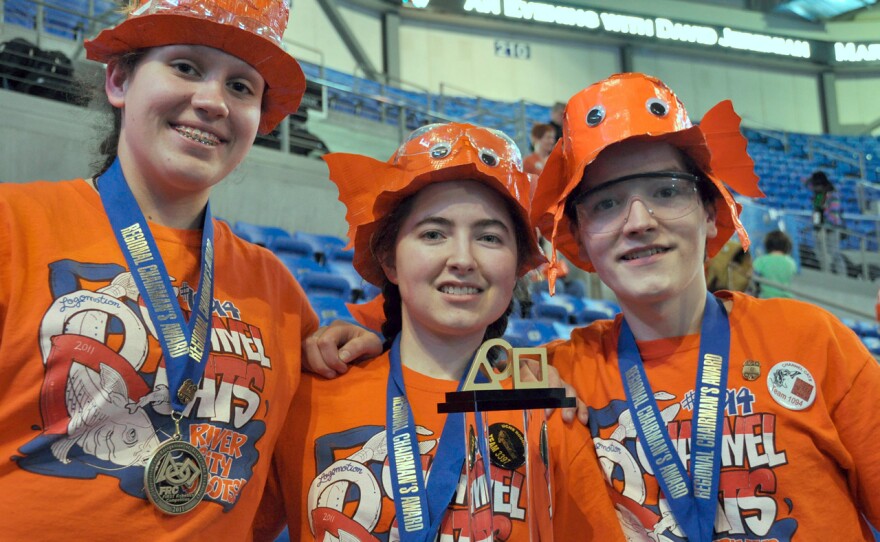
<point>50,140</point>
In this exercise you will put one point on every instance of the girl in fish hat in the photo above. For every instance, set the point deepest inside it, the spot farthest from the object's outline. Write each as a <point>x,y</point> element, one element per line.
<point>442,229</point>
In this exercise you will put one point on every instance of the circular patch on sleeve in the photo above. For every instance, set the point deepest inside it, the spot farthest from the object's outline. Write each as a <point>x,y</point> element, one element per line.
<point>791,385</point>
<point>507,446</point>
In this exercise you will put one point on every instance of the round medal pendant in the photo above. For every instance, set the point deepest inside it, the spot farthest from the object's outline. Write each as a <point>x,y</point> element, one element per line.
<point>176,477</point>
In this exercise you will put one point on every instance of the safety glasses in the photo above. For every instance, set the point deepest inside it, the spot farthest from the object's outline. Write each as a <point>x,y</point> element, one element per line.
<point>668,195</point>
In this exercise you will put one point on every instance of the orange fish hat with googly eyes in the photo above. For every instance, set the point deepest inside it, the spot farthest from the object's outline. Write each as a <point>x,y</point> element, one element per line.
<point>371,189</point>
<point>637,106</point>
<point>248,29</point>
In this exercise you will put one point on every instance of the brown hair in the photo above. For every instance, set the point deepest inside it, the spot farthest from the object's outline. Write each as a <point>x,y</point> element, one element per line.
<point>108,149</point>
<point>777,241</point>
<point>538,130</point>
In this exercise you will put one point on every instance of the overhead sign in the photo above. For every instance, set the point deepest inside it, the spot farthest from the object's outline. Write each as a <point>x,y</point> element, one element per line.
<point>856,52</point>
<point>658,27</point>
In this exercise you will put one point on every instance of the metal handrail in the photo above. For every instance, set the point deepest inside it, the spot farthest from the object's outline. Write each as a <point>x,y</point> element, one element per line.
<point>322,69</point>
<point>806,295</point>
<point>838,152</point>
<point>774,134</point>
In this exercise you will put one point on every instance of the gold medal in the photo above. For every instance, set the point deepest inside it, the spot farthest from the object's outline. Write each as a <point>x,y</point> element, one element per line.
<point>176,476</point>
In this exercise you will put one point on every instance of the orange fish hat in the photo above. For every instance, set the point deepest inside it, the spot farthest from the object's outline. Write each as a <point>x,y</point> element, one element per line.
<point>633,105</point>
<point>370,189</point>
<point>248,29</point>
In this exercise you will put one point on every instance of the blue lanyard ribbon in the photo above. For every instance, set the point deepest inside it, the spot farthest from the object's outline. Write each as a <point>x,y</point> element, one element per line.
<point>693,500</point>
<point>184,344</point>
<point>420,508</point>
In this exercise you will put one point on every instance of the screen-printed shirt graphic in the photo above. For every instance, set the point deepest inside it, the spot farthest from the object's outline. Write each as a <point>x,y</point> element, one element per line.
<point>104,400</point>
<point>351,495</point>
<point>748,505</point>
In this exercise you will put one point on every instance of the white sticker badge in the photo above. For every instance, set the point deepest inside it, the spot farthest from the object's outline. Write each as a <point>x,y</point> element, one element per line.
<point>791,385</point>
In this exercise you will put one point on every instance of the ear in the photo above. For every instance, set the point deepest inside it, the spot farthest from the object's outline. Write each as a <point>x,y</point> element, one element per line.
<point>711,215</point>
<point>116,83</point>
<point>389,269</point>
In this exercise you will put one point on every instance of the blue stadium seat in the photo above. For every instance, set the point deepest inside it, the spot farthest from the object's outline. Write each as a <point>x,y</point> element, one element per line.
<point>258,234</point>
<point>866,329</point>
<point>298,265</point>
<point>550,312</point>
<point>339,254</point>
<point>330,308</point>
<point>872,344</point>
<point>369,291</point>
<point>576,288</point>
<point>571,303</point>
<point>20,13</point>
<point>320,243</point>
<point>525,332</point>
<point>321,283</point>
<point>344,269</point>
<point>587,316</point>
<point>563,331</point>
<point>295,247</point>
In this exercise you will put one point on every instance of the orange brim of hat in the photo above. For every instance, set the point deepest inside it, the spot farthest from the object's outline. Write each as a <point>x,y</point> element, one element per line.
<point>284,78</point>
<point>715,145</point>
<point>371,189</point>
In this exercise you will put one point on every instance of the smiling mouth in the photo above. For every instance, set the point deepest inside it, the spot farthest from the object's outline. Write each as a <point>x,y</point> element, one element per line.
<point>199,136</point>
<point>643,253</point>
<point>459,290</point>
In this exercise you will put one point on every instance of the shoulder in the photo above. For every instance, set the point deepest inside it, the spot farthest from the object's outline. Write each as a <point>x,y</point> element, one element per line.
<point>793,327</point>
<point>349,388</point>
<point>769,311</point>
<point>40,190</point>
<point>47,201</point>
<point>589,343</point>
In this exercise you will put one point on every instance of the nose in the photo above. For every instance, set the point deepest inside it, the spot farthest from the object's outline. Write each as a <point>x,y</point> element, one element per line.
<point>461,257</point>
<point>210,97</point>
<point>639,217</point>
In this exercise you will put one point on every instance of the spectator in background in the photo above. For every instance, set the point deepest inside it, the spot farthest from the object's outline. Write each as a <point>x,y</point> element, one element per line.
<point>827,222</point>
<point>543,139</point>
<point>776,265</point>
<point>556,113</point>
<point>821,187</point>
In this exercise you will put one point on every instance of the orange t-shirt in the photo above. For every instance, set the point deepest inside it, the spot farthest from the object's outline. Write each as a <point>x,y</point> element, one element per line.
<point>84,395</point>
<point>333,475</point>
<point>533,163</point>
<point>801,399</point>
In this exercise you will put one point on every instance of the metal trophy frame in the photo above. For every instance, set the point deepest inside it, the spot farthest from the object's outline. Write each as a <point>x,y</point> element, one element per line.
<point>506,445</point>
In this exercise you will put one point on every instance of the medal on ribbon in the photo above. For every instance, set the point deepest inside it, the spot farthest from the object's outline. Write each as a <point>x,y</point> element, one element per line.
<point>176,475</point>
<point>693,499</point>
<point>420,507</point>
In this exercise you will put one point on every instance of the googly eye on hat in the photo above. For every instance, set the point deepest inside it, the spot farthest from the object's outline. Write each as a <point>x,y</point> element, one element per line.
<point>635,105</point>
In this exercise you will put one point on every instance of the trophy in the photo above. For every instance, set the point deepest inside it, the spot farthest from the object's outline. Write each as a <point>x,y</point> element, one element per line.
<point>505,427</point>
